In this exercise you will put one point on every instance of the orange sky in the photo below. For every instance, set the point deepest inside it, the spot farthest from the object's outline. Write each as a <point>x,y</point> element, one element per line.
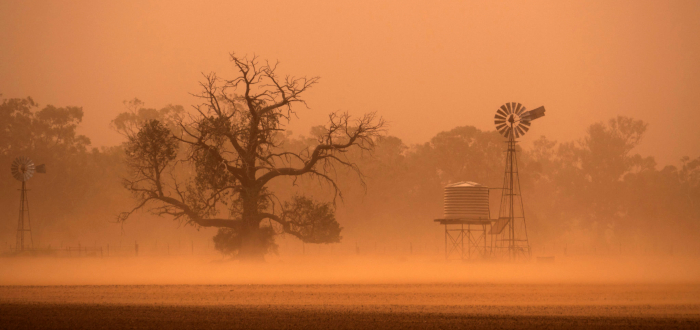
<point>424,67</point>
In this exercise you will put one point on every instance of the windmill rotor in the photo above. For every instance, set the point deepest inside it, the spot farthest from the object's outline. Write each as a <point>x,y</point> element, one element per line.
<point>23,168</point>
<point>513,120</point>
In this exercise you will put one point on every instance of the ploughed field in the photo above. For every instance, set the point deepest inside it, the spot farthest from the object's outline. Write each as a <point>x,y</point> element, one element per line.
<point>347,306</point>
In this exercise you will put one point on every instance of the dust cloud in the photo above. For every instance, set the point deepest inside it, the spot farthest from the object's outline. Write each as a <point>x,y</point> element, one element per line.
<point>149,198</point>
<point>339,269</point>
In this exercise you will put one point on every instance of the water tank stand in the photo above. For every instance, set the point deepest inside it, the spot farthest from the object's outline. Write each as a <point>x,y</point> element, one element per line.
<point>466,239</point>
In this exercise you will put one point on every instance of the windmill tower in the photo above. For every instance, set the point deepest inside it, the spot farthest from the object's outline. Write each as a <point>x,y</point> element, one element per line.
<point>23,169</point>
<point>509,232</point>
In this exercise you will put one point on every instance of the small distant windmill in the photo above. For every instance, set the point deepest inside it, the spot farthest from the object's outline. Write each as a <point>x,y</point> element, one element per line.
<point>510,231</point>
<point>23,169</point>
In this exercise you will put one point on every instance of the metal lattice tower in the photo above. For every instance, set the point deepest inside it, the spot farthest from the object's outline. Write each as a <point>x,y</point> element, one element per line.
<point>510,229</point>
<point>23,169</point>
<point>24,225</point>
<point>512,241</point>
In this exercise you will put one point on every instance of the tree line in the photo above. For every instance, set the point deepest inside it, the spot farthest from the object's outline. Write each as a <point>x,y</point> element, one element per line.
<point>232,164</point>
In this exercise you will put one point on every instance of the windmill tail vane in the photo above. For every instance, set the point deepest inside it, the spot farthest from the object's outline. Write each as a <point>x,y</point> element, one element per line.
<point>534,114</point>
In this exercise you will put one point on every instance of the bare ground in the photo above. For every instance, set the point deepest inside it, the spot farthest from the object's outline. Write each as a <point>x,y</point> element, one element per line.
<point>401,306</point>
<point>80,316</point>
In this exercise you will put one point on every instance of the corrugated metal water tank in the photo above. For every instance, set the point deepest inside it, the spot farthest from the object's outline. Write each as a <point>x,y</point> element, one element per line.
<point>466,200</point>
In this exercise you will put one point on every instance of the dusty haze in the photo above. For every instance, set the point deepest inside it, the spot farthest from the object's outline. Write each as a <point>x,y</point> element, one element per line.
<point>425,67</point>
<point>428,69</point>
<point>610,177</point>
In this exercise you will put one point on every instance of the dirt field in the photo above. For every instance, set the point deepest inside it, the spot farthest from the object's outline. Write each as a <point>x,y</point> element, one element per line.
<point>421,306</point>
<point>348,293</point>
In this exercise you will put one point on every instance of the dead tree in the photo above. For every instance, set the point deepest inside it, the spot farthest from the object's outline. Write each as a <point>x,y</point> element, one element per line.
<point>232,144</point>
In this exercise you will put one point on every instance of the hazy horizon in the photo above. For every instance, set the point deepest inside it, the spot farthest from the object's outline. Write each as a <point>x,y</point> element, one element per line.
<point>426,68</point>
<point>143,189</point>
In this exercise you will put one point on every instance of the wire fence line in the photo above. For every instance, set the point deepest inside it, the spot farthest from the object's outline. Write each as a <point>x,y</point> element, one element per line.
<point>362,248</point>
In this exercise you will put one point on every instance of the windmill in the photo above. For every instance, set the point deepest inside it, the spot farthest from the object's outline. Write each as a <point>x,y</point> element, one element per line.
<point>23,169</point>
<point>509,232</point>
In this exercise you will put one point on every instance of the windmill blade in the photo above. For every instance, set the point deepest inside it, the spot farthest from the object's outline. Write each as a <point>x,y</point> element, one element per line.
<point>500,118</point>
<point>518,108</point>
<point>520,130</point>
<point>15,169</point>
<point>505,110</point>
<point>15,172</point>
<point>501,127</point>
<point>504,131</point>
<point>525,122</point>
<point>524,128</point>
<point>509,108</point>
<point>521,110</point>
<point>29,172</point>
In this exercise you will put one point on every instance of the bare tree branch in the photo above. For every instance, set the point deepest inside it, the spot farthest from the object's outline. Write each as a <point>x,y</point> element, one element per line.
<point>233,151</point>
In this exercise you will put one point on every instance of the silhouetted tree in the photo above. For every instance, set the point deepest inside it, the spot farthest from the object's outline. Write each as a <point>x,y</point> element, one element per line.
<point>128,123</point>
<point>234,148</point>
<point>465,153</point>
<point>596,182</point>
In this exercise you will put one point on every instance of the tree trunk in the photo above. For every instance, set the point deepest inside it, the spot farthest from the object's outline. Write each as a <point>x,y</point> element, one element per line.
<point>252,241</point>
<point>252,244</point>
